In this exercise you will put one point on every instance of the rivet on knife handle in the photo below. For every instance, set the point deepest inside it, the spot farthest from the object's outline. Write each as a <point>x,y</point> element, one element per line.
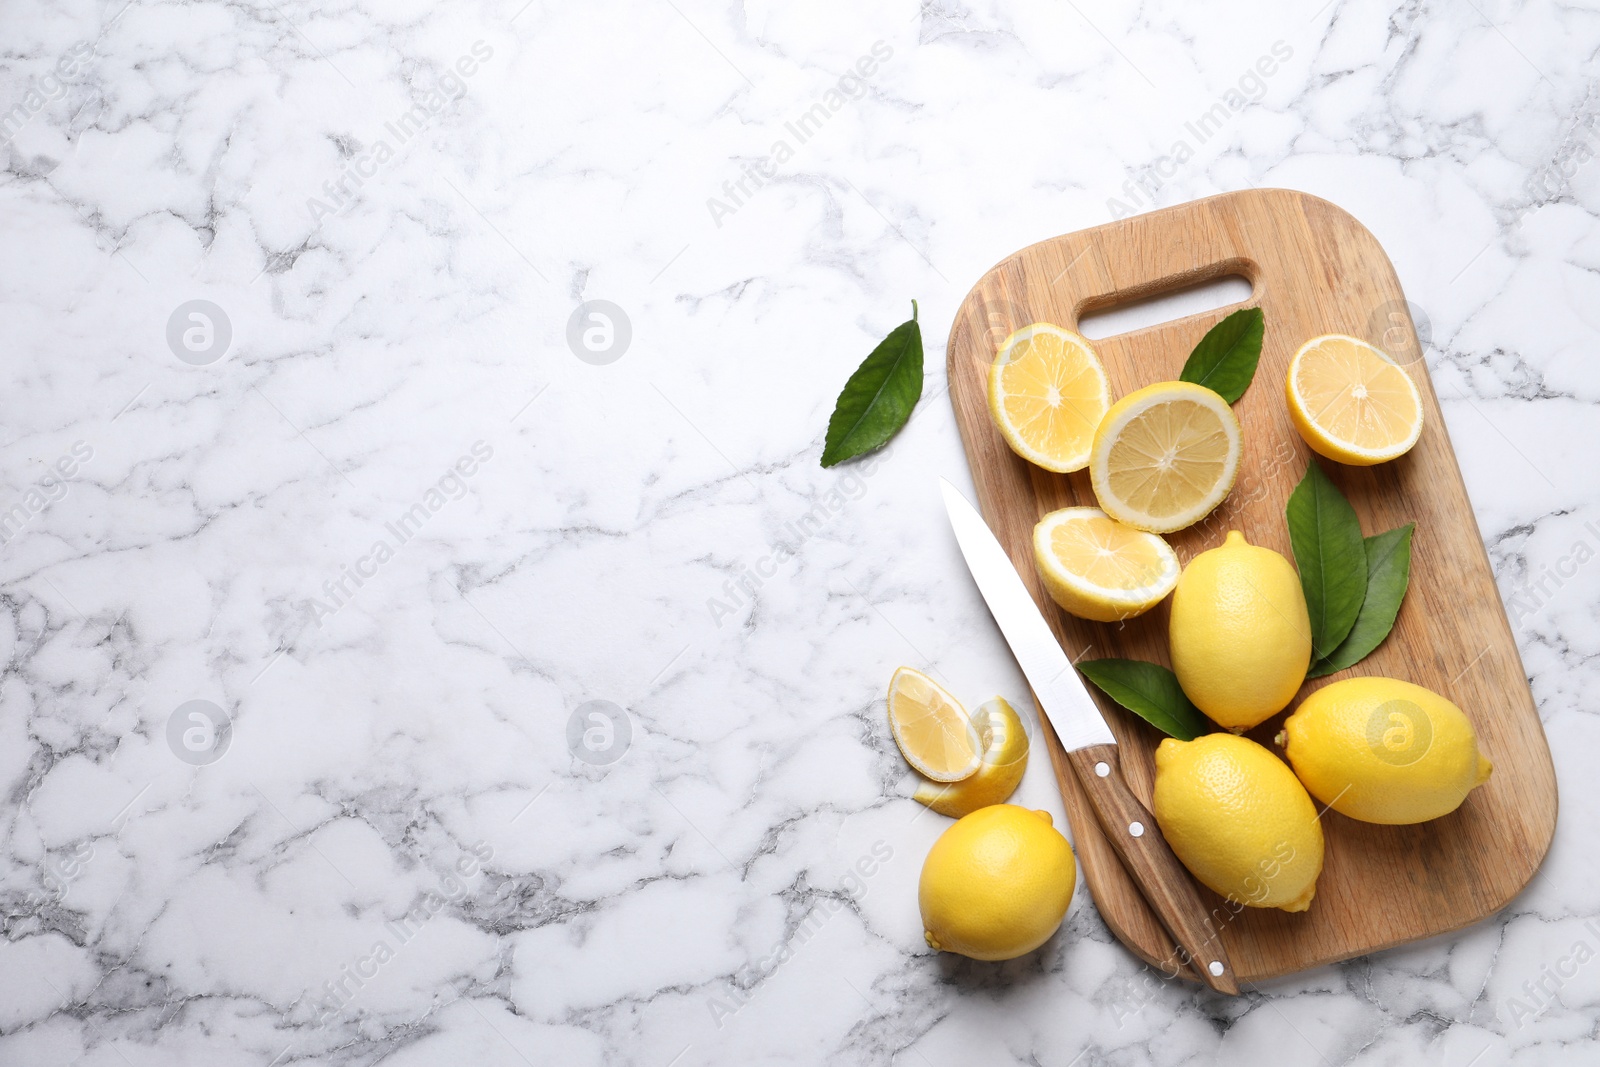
<point>1166,885</point>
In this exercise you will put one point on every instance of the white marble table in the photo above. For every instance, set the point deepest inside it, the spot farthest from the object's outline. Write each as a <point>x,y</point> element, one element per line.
<point>379,517</point>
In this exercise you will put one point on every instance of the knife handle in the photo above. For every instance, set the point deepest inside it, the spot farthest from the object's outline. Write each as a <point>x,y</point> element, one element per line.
<point>1166,885</point>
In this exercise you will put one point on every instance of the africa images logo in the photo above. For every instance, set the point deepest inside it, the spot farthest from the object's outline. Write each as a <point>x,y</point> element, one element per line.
<point>199,732</point>
<point>599,733</point>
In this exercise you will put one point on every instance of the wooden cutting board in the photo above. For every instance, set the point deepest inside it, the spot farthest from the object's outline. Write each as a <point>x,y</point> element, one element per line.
<point>1314,269</point>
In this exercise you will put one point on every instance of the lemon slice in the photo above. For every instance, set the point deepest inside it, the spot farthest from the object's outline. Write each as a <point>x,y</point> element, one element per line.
<point>1004,743</point>
<point>931,728</point>
<point>1351,402</point>
<point>1165,456</point>
<point>1047,393</point>
<point>1097,568</point>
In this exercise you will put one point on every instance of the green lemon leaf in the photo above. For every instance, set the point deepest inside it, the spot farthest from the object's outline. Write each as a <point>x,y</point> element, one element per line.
<point>1388,574</point>
<point>1225,359</point>
<point>878,398</point>
<point>1332,558</point>
<point>1151,692</point>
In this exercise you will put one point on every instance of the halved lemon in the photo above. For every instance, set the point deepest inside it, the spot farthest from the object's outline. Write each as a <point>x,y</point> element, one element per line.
<point>1165,456</point>
<point>1047,393</point>
<point>1351,402</point>
<point>931,728</point>
<point>1098,568</point>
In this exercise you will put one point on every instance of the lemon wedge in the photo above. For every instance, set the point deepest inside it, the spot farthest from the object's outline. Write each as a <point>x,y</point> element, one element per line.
<point>1004,744</point>
<point>1047,393</point>
<point>1351,402</point>
<point>931,728</point>
<point>1098,568</point>
<point>1165,456</point>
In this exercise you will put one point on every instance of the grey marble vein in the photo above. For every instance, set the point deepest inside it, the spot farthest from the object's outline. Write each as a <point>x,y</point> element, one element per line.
<point>414,536</point>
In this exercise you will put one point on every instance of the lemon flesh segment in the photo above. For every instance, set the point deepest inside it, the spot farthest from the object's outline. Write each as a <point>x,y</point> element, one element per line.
<point>1098,568</point>
<point>1165,456</point>
<point>931,728</point>
<point>1384,751</point>
<point>1047,393</point>
<point>1351,402</point>
<point>1239,820</point>
<point>1003,741</point>
<point>996,884</point>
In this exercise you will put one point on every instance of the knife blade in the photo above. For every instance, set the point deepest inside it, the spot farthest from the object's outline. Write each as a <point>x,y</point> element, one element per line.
<point>1091,749</point>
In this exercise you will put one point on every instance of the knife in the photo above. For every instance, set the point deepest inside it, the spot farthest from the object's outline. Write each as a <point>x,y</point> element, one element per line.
<point>1091,749</point>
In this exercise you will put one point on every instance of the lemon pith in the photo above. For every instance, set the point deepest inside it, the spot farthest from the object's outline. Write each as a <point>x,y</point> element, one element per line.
<point>1098,568</point>
<point>1239,820</point>
<point>996,884</point>
<point>1351,402</point>
<point>1240,634</point>
<point>1047,393</point>
<point>1384,751</point>
<point>1003,743</point>
<point>1165,456</point>
<point>931,727</point>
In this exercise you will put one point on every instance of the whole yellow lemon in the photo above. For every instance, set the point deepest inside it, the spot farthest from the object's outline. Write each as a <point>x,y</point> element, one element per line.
<point>996,884</point>
<point>1240,634</point>
<point>1239,820</point>
<point>1385,751</point>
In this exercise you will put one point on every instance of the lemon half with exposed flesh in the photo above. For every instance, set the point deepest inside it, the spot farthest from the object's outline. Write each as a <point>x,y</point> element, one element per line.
<point>1165,456</point>
<point>1047,393</point>
<point>1351,402</point>
<point>1098,568</point>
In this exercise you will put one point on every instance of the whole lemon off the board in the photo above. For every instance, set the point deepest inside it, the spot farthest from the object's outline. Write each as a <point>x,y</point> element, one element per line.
<point>996,884</point>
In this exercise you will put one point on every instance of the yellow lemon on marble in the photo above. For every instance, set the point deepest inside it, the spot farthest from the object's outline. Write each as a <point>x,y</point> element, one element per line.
<point>1097,568</point>
<point>1164,456</point>
<point>996,884</point>
<point>931,728</point>
<point>1239,819</point>
<point>1384,751</point>
<point>1351,402</point>
<point>1003,743</point>
<point>1240,633</point>
<point>1047,393</point>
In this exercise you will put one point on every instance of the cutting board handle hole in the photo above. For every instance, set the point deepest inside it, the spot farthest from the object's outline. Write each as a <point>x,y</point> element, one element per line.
<point>1166,301</point>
